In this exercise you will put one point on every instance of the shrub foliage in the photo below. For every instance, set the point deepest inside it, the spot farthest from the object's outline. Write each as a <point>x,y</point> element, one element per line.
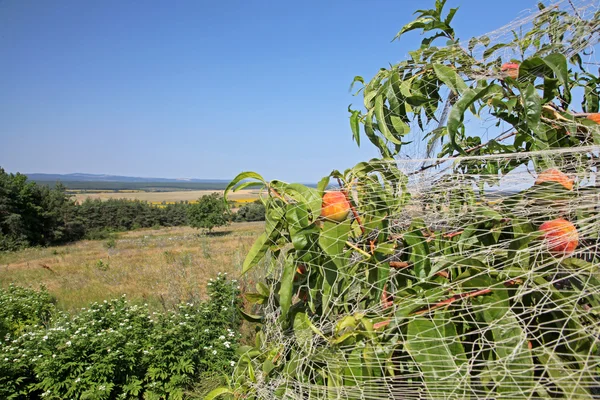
<point>115,349</point>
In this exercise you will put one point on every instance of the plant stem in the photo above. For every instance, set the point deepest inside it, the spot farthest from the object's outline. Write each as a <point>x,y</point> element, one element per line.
<point>354,212</point>
<point>398,264</point>
<point>278,195</point>
<point>361,251</point>
<point>471,294</point>
<point>503,136</point>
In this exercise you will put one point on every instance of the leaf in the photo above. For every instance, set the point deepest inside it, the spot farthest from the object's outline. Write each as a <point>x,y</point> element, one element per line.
<point>375,139</point>
<point>357,79</point>
<point>268,366</point>
<point>240,177</point>
<point>303,331</point>
<point>263,289</point>
<point>416,24</point>
<point>394,97</point>
<point>532,68</point>
<point>450,78</point>
<point>417,245</point>
<point>399,126</point>
<point>450,16</point>
<point>571,382</point>
<point>558,63</point>
<point>307,196</point>
<point>493,49</point>
<point>251,317</point>
<point>456,116</point>
<point>381,123</point>
<point>433,346</point>
<point>353,370</point>
<point>248,350</point>
<point>263,242</point>
<point>297,217</point>
<point>591,98</point>
<point>354,124</point>
<point>333,240</point>
<point>287,285</point>
<point>322,185</point>
<point>487,212</point>
<point>246,185</point>
<point>513,368</point>
<point>213,394</point>
<point>255,298</point>
<point>532,103</point>
<point>256,253</point>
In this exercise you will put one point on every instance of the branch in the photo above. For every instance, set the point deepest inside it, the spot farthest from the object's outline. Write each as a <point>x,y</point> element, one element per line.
<point>449,301</point>
<point>466,295</point>
<point>504,135</point>
<point>278,195</point>
<point>354,212</point>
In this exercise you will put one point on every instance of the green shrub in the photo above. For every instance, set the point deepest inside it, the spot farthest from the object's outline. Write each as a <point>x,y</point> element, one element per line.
<point>99,234</point>
<point>251,212</point>
<point>117,349</point>
<point>23,308</point>
<point>110,243</point>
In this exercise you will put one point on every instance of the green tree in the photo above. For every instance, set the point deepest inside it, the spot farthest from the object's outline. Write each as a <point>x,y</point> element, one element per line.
<point>466,298</point>
<point>210,211</point>
<point>251,212</point>
<point>32,215</point>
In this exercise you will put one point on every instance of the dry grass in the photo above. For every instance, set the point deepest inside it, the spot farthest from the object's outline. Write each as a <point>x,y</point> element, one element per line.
<point>244,195</point>
<point>160,267</point>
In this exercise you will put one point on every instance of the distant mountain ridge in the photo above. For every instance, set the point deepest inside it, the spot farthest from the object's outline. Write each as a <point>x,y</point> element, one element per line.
<point>81,177</point>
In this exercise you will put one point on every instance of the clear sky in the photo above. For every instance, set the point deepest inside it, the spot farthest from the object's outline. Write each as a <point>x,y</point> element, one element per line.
<point>202,89</point>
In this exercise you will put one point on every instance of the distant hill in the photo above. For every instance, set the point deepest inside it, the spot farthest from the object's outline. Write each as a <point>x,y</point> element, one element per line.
<point>79,177</point>
<point>87,182</point>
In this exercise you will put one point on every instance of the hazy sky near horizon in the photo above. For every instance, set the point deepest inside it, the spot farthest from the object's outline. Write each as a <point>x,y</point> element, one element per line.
<point>202,89</point>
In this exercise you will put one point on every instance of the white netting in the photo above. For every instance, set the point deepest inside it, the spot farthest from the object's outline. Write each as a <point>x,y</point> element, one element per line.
<point>523,320</point>
<point>511,42</point>
<point>472,275</point>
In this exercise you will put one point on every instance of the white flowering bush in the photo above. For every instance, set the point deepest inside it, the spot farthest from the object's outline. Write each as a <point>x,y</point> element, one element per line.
<point>117,349</point>
<point>24,308</point>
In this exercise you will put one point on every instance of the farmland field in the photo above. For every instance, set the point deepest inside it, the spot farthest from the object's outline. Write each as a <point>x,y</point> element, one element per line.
<point>160,267</point>
<point>158,197</point>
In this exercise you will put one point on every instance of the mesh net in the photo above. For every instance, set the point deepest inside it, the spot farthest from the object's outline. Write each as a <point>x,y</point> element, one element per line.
<point>471,275</point>
<point>471,300</point>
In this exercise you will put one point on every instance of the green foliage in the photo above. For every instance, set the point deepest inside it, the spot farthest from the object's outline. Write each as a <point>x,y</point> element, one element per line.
<point>22,309</point>
<point>117,349</point>
<point>110,243</point>
<point>100,216</point>
<point>36,215</point>
<point>409,93</point>
<point>210,211</point>
<point>254,211</point>
<point>475,310</point>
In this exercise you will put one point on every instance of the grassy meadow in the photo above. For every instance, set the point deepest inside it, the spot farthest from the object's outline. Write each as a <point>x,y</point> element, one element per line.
<point>160,267</point>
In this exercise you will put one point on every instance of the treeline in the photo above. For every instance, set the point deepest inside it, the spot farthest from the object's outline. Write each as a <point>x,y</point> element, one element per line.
<point>39,215</point>
<point>123,215</point>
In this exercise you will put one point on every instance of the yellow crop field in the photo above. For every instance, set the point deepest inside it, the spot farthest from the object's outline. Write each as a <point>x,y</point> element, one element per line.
<point>245,200</point>
<point>243,196</point>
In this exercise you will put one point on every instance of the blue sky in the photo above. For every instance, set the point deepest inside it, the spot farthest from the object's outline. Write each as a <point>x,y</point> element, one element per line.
<point>202,89</point>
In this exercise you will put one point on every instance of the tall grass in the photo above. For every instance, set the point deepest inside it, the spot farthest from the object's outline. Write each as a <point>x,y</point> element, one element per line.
<point>161,267</point>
